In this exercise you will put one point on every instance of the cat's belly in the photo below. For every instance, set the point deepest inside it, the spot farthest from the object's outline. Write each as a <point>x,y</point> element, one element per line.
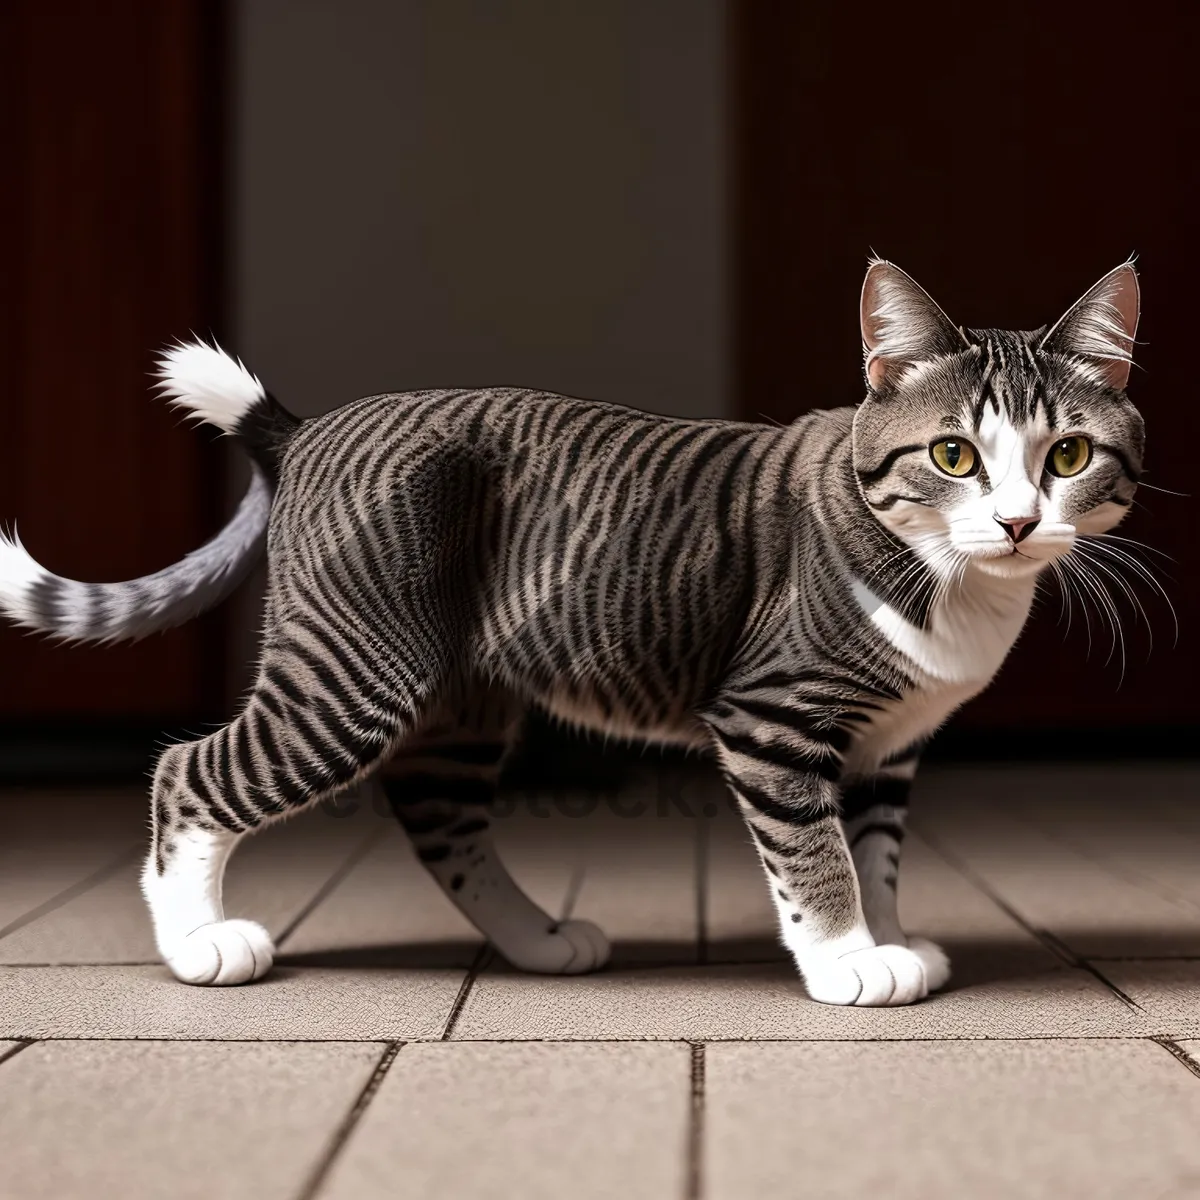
<point>585,713</point>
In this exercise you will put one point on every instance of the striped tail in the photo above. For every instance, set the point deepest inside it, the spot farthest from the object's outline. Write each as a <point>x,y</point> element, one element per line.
<point>211,387</point>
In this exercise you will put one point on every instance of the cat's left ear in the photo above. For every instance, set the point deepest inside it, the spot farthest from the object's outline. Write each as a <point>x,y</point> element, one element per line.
<point>1100,326</point>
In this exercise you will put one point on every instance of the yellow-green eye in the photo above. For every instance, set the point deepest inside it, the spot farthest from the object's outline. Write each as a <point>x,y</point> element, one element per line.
<point>1069,457</point>
<point>953,456</point>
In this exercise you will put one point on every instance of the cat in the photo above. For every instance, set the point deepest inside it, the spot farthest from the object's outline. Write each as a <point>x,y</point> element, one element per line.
<point>808,603</point>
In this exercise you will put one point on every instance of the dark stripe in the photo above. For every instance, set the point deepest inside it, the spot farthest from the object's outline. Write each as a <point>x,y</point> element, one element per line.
<point>875,474</point>
<point>1122,458</point>
<point>893,831</point>
<point>433,854</point>
<point>775,754</point>
<point>775,809</point>
<point>892,499</point>
<point>860,797</point>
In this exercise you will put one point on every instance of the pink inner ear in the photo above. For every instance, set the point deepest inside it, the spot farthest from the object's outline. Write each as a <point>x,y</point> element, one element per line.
<point>876,370</point>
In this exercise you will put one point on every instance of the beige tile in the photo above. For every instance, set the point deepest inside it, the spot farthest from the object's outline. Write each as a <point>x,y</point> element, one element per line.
<point>1054,884</point>
<point>497,1121</point>
<point>272,876</point>
<point>1134,823</point>
<point>125,1120</point>
<point>388,911</point>
<point>1036,1119</point>
<point>768,1001</point>
<point>1168,991</point>
<point>53,839</point>
<point>640,859</point>
<point>321,1004</point>
<point>983,941</point>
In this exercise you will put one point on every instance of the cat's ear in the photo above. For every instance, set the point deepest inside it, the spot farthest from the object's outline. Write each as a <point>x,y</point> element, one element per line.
<point>901,324</point>
<point>1100,326</point>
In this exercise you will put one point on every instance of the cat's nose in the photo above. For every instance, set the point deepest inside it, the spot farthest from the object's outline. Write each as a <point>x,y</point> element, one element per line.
<point>1018,528</point>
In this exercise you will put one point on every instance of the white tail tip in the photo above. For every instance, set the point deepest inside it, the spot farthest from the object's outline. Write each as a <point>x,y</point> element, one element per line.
<point>210,385</point>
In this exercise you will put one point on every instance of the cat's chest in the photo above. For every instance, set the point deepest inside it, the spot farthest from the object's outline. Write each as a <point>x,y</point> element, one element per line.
<point>963,642</point>
<point>946,662</point>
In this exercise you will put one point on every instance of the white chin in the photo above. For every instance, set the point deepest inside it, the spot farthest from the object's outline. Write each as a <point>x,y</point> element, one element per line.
<point>1008,566</point>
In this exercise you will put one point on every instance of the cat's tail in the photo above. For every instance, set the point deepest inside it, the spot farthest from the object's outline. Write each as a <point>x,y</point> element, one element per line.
<point>211,387</point>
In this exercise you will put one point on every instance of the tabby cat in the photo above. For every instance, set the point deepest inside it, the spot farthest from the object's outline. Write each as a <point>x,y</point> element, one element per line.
<point>808,602</point>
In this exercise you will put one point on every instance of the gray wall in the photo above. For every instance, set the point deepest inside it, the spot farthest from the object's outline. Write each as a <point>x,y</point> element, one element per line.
<point>448,192</point>
<point>457,193</point>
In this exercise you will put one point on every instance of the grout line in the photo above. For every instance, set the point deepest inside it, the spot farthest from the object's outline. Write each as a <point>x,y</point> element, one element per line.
<point>70,893</point>
<point>1129,875</point>
<point>41,966</point>
<point>481,960</point>
<point>1144,958</point>
<point>13,1051</point>
<point>694,1188</point>
<point>347,1127</point>
<point>330,885</point>
<point>1050,941</point>
<point>702,868</point>
<point>709,1040</point>
<point>1173,1048</point>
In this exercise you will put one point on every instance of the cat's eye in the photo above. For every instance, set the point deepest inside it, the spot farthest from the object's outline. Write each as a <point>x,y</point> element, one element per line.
<point>1069,456</point>
<point>954,456</point>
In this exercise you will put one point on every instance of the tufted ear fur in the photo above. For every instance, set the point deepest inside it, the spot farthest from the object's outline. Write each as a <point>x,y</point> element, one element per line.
<point>901,325</point>
<point>1100,326</point>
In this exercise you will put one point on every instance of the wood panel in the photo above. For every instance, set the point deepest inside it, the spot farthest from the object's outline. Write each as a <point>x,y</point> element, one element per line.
<point>1007,156</point>
<point>109,247</point>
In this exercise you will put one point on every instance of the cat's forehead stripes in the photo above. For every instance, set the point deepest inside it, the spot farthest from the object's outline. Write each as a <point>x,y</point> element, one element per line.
<point>1011,378</point>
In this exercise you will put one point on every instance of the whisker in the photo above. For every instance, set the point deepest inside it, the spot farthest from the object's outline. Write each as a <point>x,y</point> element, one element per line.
<point>1140,569</point>
<point>1165,491</point>
<point>1108,609</point>
<point>1113,537</point>
<point>1126,590</point>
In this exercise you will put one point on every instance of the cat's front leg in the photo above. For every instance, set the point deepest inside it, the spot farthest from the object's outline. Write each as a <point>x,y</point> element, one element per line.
<point>874,814</point>
<point>791,809</point>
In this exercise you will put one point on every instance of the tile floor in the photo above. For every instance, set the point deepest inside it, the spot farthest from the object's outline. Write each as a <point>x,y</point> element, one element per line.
<point>389,1054</point>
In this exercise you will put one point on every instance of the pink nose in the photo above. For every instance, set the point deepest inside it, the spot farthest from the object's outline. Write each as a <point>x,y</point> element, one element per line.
<point>1018,528</point>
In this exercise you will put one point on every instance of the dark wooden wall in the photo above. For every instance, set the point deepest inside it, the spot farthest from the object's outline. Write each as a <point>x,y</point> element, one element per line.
<point>109,247</point>
<point>1007,156</point>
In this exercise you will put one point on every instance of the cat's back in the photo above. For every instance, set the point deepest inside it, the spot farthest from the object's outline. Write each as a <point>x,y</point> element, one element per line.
<point>512,430</point>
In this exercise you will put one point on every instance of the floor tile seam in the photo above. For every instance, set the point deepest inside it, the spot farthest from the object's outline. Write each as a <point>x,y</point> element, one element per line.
<point>66,895</point>
<point>1051,941</point>
<point>340,874</point>
<point>1127,875</point>
<point>349,1123</point>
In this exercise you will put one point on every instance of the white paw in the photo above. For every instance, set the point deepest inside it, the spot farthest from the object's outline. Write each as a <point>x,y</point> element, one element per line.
<point>874,977</point>
<point>222,954</point>
<point>933,959</point>
<point>569,948</point>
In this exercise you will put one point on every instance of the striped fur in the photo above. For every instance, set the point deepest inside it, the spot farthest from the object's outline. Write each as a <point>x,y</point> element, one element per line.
<point>807,602</point>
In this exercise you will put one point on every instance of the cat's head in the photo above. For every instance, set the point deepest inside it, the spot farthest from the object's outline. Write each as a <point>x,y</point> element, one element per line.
<point>993,447</point>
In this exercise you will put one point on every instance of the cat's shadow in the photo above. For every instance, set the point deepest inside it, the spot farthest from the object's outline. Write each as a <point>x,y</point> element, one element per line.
<point>975,962</point>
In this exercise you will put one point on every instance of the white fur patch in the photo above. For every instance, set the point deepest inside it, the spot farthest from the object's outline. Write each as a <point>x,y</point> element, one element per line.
<point>210,385</point>
<point>19,574</point>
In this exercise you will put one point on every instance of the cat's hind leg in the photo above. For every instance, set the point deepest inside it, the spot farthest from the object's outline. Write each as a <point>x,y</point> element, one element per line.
<point>874,814</point>
<point>294,743</point>
<point>440,787</point>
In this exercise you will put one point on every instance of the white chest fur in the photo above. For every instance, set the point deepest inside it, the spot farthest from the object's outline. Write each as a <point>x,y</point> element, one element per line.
<point>951,659</point>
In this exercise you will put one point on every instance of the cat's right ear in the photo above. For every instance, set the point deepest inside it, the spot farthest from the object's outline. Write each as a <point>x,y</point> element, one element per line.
<point>901,325</point>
